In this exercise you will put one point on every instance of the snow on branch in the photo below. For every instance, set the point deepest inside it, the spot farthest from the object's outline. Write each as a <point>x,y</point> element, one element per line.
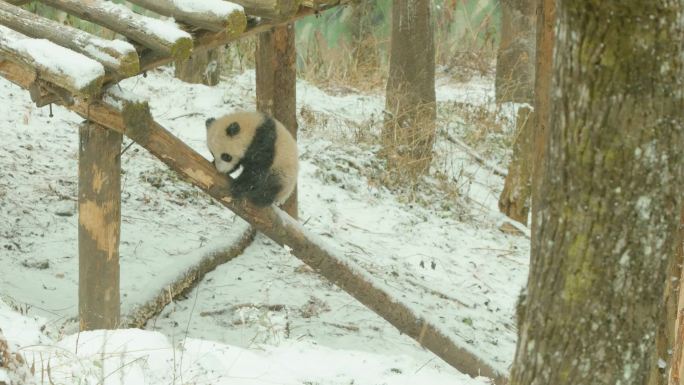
<point>156,34</point>
<point>117,56</point>
<point>214,15</point>
<point>55,64</point>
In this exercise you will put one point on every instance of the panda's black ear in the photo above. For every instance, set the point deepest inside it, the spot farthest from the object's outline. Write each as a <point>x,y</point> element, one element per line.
<point>208,122</point>
<point>233,129</point>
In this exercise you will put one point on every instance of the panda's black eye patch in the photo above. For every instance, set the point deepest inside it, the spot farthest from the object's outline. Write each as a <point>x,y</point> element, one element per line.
<point>233,129</point>
<point>208,122</point>
<point>226,158</point>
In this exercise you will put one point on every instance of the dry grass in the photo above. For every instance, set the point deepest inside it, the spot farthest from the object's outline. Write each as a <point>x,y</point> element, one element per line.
<point>485,128</point>
<point>407,141</point>
<point>357,64</point>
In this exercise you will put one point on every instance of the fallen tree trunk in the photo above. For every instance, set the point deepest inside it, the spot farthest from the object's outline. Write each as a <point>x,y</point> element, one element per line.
<point>186,280</point>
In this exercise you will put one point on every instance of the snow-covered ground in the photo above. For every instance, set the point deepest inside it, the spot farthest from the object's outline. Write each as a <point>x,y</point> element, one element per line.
<point>264,317</point>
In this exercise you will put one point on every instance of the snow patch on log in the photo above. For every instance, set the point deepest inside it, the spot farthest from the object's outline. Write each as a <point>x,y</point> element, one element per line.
<point>163,29</point>
<point>218,8</point>
<point>78,69</point>
<point>117,97</point>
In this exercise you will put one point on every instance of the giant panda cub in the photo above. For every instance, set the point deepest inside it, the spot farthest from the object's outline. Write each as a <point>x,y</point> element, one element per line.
<point>257,152</point>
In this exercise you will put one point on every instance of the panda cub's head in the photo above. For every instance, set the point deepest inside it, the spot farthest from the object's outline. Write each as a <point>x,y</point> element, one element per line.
<point>229,137</point>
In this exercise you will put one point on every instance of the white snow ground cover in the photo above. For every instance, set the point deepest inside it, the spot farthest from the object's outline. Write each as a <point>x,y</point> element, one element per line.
<point>263,317</point>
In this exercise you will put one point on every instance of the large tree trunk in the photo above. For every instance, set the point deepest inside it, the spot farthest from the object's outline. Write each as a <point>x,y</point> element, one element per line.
<point>408,134</point>
<point>610,199</point>
<point>276,80</point>
<point>515,57</point>
<point>546,21</point>
<point>203,67</point>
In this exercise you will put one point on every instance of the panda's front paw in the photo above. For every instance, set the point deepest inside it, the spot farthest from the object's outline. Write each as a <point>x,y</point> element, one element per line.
<point>237,190</point>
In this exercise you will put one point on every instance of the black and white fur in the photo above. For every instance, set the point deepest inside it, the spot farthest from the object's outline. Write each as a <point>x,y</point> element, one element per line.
<point>262,147</point>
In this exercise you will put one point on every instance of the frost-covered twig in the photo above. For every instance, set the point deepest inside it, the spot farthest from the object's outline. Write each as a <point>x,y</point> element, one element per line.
<point>477,157</point>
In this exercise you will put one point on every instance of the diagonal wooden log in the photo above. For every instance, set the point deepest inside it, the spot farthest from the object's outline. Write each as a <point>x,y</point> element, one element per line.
<point>133,119</point>
<point>117,56</point>
<point>186,280</point>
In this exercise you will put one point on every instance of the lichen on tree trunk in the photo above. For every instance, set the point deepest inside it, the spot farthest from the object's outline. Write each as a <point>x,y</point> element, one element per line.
<point>610,197</point>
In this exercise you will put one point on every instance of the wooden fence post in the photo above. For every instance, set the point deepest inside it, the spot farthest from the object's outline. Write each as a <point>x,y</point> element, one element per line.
<point>276,79</point>
<point>99,224</point>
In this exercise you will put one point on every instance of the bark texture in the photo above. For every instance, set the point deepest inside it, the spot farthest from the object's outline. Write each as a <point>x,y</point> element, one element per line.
<point>546,22</point>
<point>99,227</point>
<point>203,67</point>
<point>515,57</point>
<point>677,339</point>
<point>409,131</point>
<point>610,198</point>
<point>276,77</point>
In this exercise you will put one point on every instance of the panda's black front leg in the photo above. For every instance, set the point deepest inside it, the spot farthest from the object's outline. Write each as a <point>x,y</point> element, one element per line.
<point>260,188</point>
<point>241,185</point>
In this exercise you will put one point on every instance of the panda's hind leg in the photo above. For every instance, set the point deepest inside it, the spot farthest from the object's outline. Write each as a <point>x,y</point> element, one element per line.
<point>266,191</point>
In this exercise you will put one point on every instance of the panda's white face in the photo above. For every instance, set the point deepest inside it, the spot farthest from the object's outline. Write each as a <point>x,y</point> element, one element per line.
<point>228,138</point>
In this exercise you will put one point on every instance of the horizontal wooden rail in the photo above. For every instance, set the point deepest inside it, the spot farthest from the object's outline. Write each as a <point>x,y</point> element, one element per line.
<point>214,15</point>
<point>54,64</point>
<point>208,40</point>
<point>271,9</point>
<point>117,56</point>
<point>158,35</point>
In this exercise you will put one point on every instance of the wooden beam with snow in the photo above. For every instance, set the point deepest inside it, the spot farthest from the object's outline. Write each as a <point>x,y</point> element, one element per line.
<point>132,118</point>
<point>271,9</point>
<point>209,40</point>
<point>214,15</point>
<point>52,63</point>
<point>117,56</point>
<point>158,35</point>
<point>318,4</point>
